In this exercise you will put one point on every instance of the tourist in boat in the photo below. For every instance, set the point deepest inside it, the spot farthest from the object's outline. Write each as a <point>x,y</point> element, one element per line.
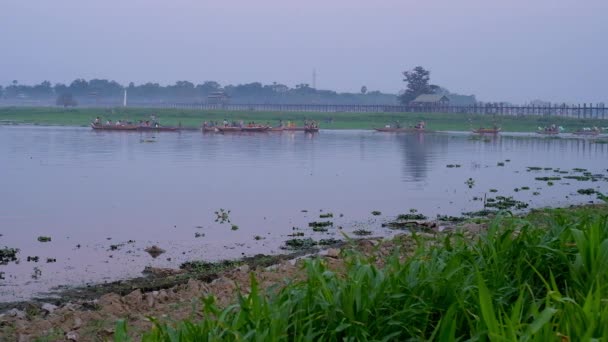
<point>97,121</point>
<point>109,122</point>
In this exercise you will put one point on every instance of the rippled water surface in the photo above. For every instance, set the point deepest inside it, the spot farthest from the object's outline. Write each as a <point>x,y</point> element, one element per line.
<point>90,190</point>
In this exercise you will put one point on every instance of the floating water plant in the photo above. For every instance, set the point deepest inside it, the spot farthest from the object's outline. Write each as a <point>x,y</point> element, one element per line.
<point>44,238</point>
<point>234,227</point>
<point>317,224</point>
<point>493,190</point>
<point>451,166</point>
<point>503,203</point>
<point>470,182</point>
<point>588,191</point>
<point>545,179</point>
<point>300,243</point>
<point>327,215</point>
<point>578,178</point>
<point>534,168</point>
<point>7,255</point>
<point>362,232</point>
<point>446,218</point>
<point>500,164</point>
<point>222,216</point>
<point>327,242</point>
<point>376,213</point>
<point>411,216</point>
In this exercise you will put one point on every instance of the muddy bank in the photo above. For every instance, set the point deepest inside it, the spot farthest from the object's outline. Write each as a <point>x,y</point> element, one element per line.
<point>90,314</point>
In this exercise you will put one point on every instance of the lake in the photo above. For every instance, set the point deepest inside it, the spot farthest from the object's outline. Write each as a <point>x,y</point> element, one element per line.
<point>103,197</point>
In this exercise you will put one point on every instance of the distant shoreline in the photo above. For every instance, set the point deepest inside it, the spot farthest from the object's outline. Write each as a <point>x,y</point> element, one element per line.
<point>189,118</point>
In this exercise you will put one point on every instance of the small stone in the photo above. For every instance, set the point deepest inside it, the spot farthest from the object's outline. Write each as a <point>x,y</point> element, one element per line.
<point>77,323</point>
<point>109,299</point>
<point>133,298</point>
<point>162,296</point>
<point>243,268</point>
<point>16,313</point>
<point>71,336</point>
<point>193,285</point>
<point>333,253</point>
<point>150,300</point>
<point>49,308</point>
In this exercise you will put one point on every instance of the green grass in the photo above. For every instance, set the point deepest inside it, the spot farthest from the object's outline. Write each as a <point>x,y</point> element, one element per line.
<point>539,278</point>
<point>194,118</point>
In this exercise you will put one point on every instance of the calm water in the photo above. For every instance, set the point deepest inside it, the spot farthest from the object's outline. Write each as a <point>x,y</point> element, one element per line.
<point>97,189</point>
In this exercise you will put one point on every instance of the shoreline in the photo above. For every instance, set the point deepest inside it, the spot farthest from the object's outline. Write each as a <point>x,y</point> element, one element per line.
<point>175,293</point>
<point>193,119</point>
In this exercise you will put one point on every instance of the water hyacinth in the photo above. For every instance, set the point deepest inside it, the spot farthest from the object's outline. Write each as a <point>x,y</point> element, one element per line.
<point>542,278</point>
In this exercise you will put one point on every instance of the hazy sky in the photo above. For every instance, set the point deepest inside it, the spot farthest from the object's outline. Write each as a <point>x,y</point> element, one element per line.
<point>512,50</point>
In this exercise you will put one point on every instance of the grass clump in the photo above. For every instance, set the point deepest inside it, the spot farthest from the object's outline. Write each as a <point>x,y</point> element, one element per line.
<point>540,278</point>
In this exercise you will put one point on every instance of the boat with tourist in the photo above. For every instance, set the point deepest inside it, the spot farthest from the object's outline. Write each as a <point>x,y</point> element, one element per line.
<point>481,130</point>
<point>593,131</point>
<point>420,127</point>
<point>550,130</point>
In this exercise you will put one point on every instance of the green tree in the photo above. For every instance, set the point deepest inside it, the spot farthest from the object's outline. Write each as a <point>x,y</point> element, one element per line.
<point>417,81</point>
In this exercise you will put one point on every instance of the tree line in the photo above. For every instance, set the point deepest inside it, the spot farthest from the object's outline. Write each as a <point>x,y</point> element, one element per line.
<point>104,91</point>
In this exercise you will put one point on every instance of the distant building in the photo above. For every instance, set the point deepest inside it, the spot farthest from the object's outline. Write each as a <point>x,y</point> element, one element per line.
<point>430,100</point>
<point>218,97</point>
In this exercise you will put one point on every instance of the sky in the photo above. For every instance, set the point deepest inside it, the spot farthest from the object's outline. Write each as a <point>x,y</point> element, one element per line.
<point>510,50</point>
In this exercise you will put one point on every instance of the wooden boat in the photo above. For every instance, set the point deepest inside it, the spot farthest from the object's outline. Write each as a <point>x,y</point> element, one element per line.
<point>311,130</point>
<point>487,130</point>
<point>209,129</point>
<point>276,129</point>
<point>548,132</point>
<point>401,130</point>
<point>255,129</point>
<point>587,133</point>
<point>114,127</point>
<point>294,128</point>
<point>229,129</point>
<point>157,129</point>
